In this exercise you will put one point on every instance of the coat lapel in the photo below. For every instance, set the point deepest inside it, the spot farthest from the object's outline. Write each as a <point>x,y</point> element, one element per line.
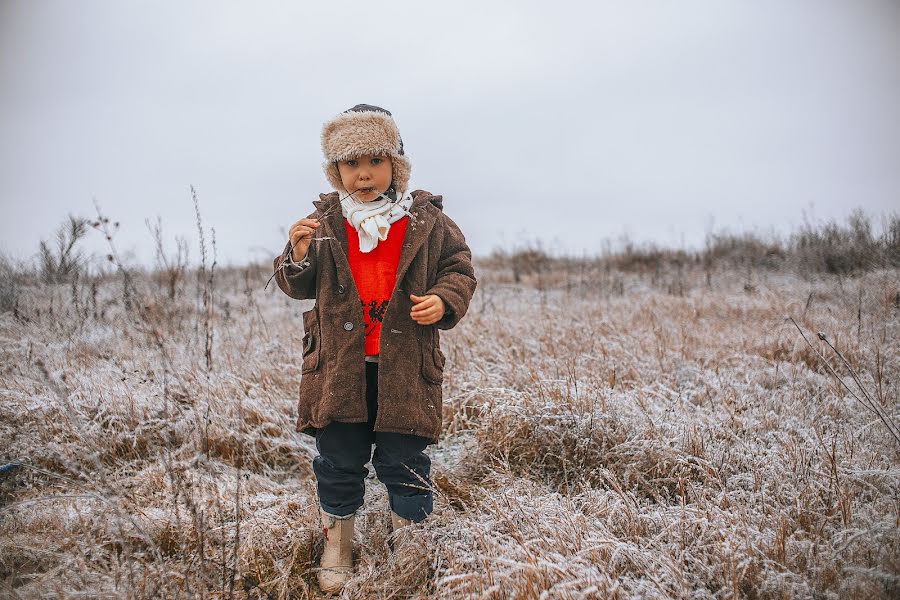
<point>334,225</point>
<point>417,231</point>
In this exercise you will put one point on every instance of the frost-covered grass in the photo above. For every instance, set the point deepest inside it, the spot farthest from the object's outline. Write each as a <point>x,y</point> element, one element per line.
<point>607,434</point>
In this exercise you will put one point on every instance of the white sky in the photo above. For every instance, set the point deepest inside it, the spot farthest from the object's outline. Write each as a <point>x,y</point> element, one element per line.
<point>565,122</point>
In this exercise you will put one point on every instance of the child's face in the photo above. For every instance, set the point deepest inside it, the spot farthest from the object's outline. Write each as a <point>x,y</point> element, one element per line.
<point>368,174</point>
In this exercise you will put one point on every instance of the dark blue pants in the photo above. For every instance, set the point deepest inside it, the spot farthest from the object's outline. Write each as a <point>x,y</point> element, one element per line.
<point>399,461</point>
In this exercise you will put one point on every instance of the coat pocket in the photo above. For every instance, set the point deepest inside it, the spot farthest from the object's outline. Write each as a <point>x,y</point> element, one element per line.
<point>432,357</point>
<point>311,341</point>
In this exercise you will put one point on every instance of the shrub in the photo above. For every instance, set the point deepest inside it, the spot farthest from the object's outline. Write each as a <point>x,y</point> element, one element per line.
<point>9,285</point>
<point>62,261</point>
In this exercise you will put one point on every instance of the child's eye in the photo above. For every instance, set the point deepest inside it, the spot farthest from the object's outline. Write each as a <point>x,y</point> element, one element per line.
<point>350,163</point>
<point>377,161</point>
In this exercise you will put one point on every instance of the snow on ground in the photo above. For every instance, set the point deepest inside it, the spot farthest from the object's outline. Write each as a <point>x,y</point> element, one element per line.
<point>607,434</point>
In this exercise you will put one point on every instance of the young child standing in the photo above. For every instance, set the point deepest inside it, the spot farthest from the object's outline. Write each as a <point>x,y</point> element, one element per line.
<point>387,269</point>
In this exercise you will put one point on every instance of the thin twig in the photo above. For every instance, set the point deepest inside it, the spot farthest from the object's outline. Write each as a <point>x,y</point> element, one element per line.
<point>874,406</point>
<point>888,422</point>
<point>284,263</point>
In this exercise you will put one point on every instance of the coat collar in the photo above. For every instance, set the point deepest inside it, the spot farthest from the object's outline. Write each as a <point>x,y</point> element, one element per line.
<point>424,210</point>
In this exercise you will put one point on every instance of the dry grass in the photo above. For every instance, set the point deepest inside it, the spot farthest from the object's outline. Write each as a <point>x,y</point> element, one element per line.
<point>608,433</point>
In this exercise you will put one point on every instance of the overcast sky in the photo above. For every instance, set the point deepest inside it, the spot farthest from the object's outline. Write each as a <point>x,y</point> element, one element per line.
<point>571,123</point>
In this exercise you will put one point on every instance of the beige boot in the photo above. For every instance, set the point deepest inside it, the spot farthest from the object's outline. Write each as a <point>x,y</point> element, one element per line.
<point>397,538</point>
<point>336,566</point>
<point>398,522</point>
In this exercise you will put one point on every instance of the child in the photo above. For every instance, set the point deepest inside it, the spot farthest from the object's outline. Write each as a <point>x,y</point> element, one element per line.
<point>387,269</point>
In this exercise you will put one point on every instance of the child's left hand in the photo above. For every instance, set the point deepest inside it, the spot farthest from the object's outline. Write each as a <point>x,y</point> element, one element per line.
<point>426,310</point>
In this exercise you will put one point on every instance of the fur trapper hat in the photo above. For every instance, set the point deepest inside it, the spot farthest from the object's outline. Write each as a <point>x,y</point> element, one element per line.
<point>364,129</point>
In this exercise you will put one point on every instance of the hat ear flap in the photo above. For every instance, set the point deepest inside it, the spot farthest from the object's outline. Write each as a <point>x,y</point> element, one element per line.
<point>334,176</point>
<point>401,170</point>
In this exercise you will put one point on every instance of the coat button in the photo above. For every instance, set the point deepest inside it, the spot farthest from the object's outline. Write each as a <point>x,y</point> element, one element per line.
<point>341,289</point>
<point>348,326</point>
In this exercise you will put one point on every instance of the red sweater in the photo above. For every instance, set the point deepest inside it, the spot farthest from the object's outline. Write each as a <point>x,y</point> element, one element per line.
<point>375,274</point>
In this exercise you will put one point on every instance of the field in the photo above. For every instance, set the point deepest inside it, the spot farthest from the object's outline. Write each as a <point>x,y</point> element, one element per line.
<point>611,430</point>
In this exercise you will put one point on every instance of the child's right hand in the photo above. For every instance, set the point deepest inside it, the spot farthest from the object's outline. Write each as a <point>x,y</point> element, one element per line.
<point>301,234</point>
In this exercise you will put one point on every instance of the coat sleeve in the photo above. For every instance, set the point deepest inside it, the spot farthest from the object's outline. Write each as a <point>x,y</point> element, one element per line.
<point>455,282</point>
<point>297,280</point>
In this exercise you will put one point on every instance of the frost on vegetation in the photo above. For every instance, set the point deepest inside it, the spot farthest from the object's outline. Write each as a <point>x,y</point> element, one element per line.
<point>607,434</point>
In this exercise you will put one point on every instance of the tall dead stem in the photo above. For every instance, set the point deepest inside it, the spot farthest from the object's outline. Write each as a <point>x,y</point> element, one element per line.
<point>866,400</point>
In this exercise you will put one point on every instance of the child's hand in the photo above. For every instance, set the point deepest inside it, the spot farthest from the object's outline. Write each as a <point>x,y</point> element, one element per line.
<point>426,310</point>
<point>301,235</point>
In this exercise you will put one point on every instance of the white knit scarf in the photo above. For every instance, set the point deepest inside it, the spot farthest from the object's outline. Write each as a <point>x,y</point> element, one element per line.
<point>372,220</point>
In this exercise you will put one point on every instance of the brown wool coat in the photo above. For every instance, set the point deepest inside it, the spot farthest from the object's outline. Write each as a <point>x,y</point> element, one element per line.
<point>434,259</point>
